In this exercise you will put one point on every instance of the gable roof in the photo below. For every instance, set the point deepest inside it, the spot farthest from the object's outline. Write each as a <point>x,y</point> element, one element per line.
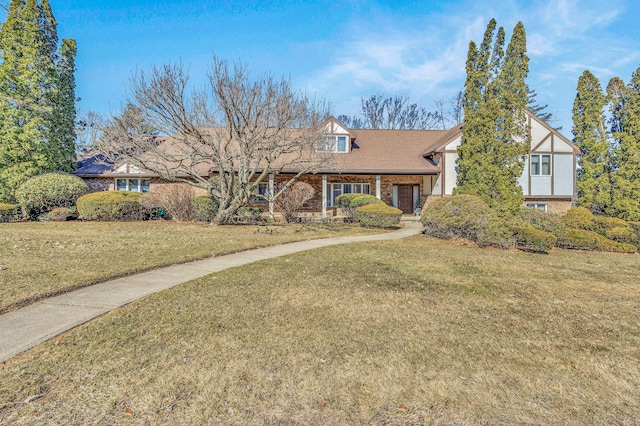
<point>456,131</point>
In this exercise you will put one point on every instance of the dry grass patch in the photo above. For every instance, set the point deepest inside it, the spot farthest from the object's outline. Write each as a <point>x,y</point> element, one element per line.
<point>42,259</point>
<point>416,331</point>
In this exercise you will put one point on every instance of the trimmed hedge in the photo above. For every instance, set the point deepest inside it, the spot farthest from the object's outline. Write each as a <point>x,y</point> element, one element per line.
<point>43,193</point>
<point>8,209</point>
<point>578,218</point>
<point>62,214</point>
<point>111,206</point>
<point>364,200</point>
<point>205,208</point>
<point>624,234</point>
<point>8,212</point>
<point>465,216</point>
<point>531,239</point>
<point>603,224</point>
<point>378,216</point>
<point>582,239</point>
<point>541,220</point>
<point>344,202</point>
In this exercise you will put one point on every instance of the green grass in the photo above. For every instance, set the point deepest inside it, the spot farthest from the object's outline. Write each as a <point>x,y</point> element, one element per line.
<point>416,331</point>
<point>43,259</point>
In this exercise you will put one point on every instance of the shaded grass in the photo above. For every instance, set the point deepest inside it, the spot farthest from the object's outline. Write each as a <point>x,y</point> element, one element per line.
<point>416,331</point>
<point>43,259</point>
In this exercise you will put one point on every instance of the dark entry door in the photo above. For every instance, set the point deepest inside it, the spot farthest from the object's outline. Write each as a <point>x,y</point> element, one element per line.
<point>405,198</point>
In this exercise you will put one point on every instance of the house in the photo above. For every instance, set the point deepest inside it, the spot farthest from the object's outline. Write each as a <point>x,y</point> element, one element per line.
<point>404,168</point>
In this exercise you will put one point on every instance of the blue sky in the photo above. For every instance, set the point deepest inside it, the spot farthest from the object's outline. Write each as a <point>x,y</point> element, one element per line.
<point>349,49</point>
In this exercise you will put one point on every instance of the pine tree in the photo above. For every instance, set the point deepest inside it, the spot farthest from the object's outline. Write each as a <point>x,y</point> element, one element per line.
<point>540,111</point>
<point>34,91</point>
<point>625,126</point>
<point>495,135</point>
<point>590,135</point>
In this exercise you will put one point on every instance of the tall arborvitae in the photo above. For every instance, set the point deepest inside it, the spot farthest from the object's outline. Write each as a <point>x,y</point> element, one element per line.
<point>65,110</point>
<point>590,135</point>
<point>495,136</point>
<point>625,109</point>
<point>34,133</point>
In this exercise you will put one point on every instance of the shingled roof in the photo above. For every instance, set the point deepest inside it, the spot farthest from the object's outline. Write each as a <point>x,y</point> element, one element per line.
<point>372,152</point>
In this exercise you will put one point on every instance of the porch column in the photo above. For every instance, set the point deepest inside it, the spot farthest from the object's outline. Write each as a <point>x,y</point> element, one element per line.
<point>378,189</point>
<point>271,192</point>
<point>324,196</point>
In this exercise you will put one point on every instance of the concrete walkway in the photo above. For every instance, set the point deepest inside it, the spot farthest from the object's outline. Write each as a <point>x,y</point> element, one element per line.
<point>27,327</point>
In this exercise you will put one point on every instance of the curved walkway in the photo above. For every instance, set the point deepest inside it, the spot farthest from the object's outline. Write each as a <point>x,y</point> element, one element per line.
<point>27,327</point>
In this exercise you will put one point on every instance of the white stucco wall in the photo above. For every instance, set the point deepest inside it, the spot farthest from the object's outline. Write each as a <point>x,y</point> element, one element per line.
<point>563,174</point>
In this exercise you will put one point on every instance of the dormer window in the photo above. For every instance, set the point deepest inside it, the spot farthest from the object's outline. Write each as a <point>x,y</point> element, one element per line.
<point>332,144</point>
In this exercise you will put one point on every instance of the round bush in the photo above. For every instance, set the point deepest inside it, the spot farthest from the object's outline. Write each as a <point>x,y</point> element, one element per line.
<point>582,239</point>
<point>378,216</point>
<point>43,193</point>
<point>578,218</point>
<point>205,208</point>
<point>344,202</point>
<point>364,200</point>
<point>111,206</point>
<point>531,239</point>
<point>62,214</point>
<point>465,216</point>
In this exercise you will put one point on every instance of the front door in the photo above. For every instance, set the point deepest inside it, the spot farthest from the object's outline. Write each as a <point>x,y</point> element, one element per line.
<point>405,198</point>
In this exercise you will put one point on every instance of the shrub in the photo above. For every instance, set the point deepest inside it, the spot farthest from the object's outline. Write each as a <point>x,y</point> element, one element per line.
<point>623,234</point>
<point>531,239</point>
<point>588,240</point>
<point>61,214</point>
<point>578,218</point>
<point>8,212</point>
<point>111,206</point>
<point>378,216</point>
<point>293,198</point>
<point>204,208</point>
<point>465,216</point>
<point>344,203</point>
<point>249,215</point>
<point>603,224</point>
<point>364,200</point>
<point>174,198</point>
<point>43,193</point>
<point>538,219</point>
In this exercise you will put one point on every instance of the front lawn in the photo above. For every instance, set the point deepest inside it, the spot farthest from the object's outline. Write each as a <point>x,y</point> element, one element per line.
<point>40,259</point>
<point>414,331</point>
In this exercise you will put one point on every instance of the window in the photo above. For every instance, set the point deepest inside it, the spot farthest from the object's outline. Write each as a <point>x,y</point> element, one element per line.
<point>263,191</point>
<point>540,165</point>
<point>542,207</point>
<point>134,185</point>
<point>332,144</point>
<point>336,189</point>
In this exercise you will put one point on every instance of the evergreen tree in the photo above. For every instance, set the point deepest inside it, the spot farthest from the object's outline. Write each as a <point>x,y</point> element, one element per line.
<point>590,135</point>
<point>495,137</point>
<point>35,88</point>
<point>625,127</point>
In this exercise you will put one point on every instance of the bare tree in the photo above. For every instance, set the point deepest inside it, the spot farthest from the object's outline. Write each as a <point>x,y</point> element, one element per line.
<point>395,112</point>
<point>226,137</point>
<point>293,199</point>
<point>88,127</point>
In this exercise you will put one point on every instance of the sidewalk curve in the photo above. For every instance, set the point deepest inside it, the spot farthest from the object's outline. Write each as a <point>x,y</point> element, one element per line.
<point>27,327</point>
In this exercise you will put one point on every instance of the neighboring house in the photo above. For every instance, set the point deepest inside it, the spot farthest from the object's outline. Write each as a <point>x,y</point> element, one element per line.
<point>404,168</point>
